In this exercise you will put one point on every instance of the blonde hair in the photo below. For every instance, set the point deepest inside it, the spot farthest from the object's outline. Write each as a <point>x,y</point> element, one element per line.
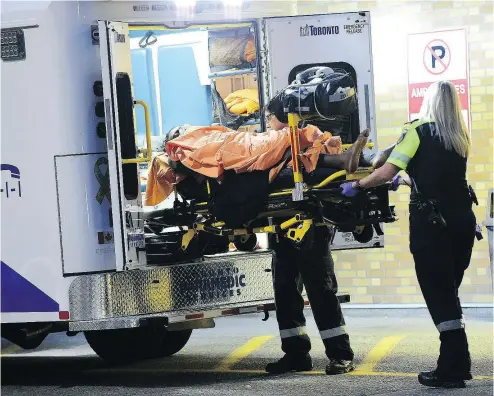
<point>442,105</point>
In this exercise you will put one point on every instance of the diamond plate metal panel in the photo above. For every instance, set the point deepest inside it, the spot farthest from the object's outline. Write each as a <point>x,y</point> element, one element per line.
<point>219,281</point>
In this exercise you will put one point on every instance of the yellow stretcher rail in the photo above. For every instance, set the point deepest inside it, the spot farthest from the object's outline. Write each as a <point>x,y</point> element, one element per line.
<point>322,184</point>
<point>148,150</point>
<point>293,120</point>
<point>298,189</point>
<point>329,179</point>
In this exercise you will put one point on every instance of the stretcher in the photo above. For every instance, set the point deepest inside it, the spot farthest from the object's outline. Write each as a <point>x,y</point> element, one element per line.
<point>297,202</point>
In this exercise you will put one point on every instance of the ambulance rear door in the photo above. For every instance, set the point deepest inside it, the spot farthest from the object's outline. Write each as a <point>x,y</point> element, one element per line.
<point>341,41</point>
<point>123,164</point>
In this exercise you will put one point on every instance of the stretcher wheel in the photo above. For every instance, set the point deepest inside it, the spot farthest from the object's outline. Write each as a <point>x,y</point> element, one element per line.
<point>245,243</point>
<point>365,235</point>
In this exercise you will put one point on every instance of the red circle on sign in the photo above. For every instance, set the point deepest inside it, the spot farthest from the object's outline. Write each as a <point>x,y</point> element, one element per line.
<point>428,49</point>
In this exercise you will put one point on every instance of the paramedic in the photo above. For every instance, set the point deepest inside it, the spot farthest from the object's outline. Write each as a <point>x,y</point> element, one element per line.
<point>292,269</point>
<point>434,150</point>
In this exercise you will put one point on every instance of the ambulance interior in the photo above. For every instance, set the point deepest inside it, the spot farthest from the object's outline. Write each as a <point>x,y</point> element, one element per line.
<point>185,75</point>
<point>206,76</point>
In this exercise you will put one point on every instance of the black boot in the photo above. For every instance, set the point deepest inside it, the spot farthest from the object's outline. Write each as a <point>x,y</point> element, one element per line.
<point>436,380</point>
<point>339,366</point>
<point>290,363</point>
<point>454,356</point>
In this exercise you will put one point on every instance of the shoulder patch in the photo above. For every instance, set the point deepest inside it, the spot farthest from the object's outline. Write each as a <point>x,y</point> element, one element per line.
<point>402,136</point>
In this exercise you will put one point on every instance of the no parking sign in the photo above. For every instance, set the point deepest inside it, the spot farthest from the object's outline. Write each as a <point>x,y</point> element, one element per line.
<point>435,56</point>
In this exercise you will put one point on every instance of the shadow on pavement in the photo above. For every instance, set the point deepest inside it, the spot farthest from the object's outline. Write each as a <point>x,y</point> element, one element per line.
<point>69,372</point>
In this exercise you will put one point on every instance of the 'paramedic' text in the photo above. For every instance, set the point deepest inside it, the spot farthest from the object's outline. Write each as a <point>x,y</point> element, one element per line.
<point>223,283</point>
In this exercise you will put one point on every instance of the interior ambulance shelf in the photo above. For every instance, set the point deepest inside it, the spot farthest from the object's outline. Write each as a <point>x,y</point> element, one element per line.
<point>230,73</point>
<point>254,121</point>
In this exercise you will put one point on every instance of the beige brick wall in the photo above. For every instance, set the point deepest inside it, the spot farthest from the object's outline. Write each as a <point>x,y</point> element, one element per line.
<point>387,275</point>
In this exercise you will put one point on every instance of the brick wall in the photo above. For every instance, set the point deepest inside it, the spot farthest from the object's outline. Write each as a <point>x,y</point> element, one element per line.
<point>387,275</point>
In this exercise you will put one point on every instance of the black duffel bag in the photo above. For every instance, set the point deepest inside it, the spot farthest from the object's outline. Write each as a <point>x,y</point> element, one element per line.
<point>318,92</point>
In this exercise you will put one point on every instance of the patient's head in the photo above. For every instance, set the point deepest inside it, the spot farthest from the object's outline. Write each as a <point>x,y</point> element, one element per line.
<point>176,132</point>
<point>275,107</point>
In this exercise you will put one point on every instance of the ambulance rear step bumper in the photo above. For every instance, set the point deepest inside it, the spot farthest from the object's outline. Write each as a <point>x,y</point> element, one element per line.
<point>181,320</point>
<point>221,285</point>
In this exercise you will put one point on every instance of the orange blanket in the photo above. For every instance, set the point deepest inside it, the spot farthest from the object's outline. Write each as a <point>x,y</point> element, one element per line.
<point>209,151</point>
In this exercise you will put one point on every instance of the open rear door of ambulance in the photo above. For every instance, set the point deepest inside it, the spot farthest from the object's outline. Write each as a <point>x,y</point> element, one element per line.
<point>123,164</point>
<point>340,41</point>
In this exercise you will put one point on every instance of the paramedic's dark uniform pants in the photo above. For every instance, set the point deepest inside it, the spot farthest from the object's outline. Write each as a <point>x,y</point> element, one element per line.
<point>440,266</point>
<point>315,269</point>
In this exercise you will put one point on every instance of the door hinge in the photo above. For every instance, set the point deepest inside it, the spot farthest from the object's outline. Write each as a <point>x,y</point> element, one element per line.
<point>95,34</point>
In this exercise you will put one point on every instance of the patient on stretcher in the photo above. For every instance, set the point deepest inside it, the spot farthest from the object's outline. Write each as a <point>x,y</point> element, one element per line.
<point>214,152</point>
<point>194,154</point>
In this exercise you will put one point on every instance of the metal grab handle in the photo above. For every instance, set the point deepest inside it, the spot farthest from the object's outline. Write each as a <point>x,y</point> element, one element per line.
<point>148,150</point>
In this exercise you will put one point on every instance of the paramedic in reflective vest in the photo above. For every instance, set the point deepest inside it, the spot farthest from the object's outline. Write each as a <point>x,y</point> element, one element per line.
<point>292,269</point>
<point>434,150</point>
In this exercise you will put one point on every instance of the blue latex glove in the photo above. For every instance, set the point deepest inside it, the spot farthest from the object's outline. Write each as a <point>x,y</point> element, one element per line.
<point>348,190</point>
<point>395,183</point>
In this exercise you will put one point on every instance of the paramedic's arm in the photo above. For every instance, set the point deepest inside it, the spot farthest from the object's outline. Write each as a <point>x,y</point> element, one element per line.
<point>398,160</point>
<point>380,176</point>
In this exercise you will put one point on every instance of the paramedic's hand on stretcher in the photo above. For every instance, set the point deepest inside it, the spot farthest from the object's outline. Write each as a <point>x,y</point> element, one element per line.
<point>396,182</point>
<point>349,189</point>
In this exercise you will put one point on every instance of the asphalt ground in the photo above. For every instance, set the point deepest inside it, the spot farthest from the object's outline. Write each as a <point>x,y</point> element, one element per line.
<point>391,347</point>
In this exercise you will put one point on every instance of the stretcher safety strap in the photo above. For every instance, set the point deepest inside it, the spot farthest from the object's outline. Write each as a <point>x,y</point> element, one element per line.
<point>330,333</point>
<point>451,325</point>
<point>294,332</point>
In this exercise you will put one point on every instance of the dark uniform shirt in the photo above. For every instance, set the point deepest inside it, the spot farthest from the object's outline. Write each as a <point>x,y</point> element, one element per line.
<point>439,174</point>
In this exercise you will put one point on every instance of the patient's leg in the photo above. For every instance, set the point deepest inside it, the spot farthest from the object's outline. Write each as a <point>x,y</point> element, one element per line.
<point>349,160</point>
<point>354,152</point>
<point>335,161</point>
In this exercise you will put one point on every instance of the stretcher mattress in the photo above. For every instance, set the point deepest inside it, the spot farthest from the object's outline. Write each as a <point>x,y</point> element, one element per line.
<point>191,189</point>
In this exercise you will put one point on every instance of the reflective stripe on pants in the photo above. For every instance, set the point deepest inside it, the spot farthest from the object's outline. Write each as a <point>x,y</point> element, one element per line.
<point>451,325</point>
<point>294,332</point>
<point>330,333</point>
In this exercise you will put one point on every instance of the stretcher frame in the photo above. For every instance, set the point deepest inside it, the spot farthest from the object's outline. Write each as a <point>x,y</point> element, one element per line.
<point>297,226</point>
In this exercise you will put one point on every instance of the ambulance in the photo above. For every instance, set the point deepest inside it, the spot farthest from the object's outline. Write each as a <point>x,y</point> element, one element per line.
<point>76,253</point>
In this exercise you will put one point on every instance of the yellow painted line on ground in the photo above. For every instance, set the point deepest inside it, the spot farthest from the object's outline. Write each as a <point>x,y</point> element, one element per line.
<point>240,353</point>
<point>366,373</point>
<point>7,351</point>
<point>379,352</point>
